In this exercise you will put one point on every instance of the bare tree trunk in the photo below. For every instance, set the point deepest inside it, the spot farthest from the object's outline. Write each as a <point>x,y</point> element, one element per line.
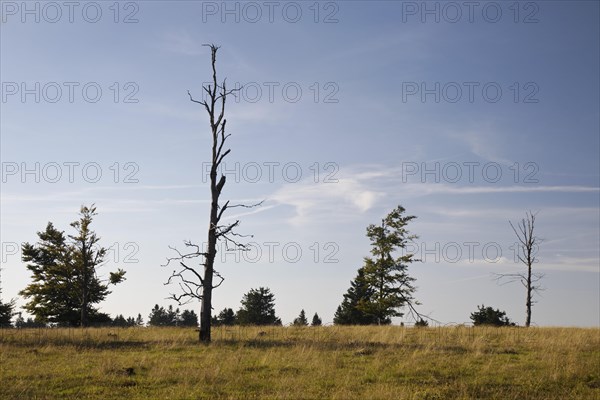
<point>207,287</point>
<point>84,291</point>
<point>528,317</point>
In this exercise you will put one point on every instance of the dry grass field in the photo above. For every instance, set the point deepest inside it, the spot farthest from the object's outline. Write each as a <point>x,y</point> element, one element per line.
<point>301,363</point>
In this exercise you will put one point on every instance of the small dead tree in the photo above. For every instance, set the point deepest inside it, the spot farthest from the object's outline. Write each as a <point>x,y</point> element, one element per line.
<point>193,282</point>
<point>527,248</point>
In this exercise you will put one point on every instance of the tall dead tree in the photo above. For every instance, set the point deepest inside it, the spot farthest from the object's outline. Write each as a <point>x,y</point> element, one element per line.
<point>527,247</point>
<point>193,282</point>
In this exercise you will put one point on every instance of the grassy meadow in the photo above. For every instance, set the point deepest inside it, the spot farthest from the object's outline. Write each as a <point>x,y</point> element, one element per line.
<point>330,362</point>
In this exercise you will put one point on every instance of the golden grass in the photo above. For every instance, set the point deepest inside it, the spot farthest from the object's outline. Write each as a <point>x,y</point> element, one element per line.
<point>301,363</point>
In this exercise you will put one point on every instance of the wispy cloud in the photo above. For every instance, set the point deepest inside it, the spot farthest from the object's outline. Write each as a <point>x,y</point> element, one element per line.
<point>504,265</point>
<point>360,187</point>
<point>331,200</point>
<point>427,189</point>
<point>193,114</point>
<point>257,210</point>
<point>181,42</point>
<point>482,140</point>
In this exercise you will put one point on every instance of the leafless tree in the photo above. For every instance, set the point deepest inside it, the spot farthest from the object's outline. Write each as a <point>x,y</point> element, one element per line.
<point>193,282</point>
<point>527,248</point>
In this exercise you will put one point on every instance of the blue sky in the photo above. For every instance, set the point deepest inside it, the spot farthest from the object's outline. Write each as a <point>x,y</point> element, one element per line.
<point>466,117</point>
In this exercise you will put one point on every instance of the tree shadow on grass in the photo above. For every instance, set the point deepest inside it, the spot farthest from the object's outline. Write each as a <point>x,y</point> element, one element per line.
<point>328,345</point>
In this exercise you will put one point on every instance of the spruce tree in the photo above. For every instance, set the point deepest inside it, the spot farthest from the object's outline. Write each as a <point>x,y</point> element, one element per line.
<point>385,273</point>
<point>189,318</point>
<point>316,320</point>
<point>348,312</point>
<point>225,317</point>
<point>65,283</point>
<point>258,308</point>
<point>6,312</point>
<point>301,320</point>
<point>382,287</point>
<point>488,316</point>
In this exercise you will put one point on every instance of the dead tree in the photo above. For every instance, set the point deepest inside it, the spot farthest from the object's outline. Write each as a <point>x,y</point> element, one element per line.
<point>526,249</point>
<point>193,282</point>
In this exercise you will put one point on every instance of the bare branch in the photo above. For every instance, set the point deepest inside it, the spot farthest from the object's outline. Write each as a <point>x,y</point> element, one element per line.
<point>248,206</point>
<point>218,275</point>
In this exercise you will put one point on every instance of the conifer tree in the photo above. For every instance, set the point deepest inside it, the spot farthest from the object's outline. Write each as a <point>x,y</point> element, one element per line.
<point>65,278</point>
<point>316,320</point>
<point>383,286</point>
<point>6,312</point>
<point>348,313</point>
<point>258,308</point>
<point>301,320</point>
<point>387,274</point>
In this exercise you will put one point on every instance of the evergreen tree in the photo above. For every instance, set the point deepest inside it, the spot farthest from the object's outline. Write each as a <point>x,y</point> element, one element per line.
<point>258,308</point>
<point>6,313</point>
<point>488,316</point>
<point>158,317</point>
<point>20,322</point>
<point>386,275</point>
<point>96,318</point>
<point>169,317</point>
<point>173,316</point>
<point>226,317</point>
<point>316,320</point>
<point>86,257</point>
<point>189,318</point>
<point>64,273</point>
<point>301,320</point>
<point>348,312</point>
<point>119,321</point>
<point>52,294</point>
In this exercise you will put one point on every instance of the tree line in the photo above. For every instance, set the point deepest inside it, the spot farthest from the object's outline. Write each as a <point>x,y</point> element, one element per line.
<point>61,288</point>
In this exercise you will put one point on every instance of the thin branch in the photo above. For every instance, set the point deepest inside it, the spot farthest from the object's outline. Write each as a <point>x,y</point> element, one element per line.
<point>248,206</point>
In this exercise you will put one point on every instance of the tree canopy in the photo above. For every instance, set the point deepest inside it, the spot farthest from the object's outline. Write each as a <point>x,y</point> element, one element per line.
<point>258,308</point>
<point>316,320</point>
<point>6,312</point>
<point>382,287</point>
<point>159,316</point>
<point>301,319</point>
<point>488,316</point>
<point>65,283</point>
<point>348,312</point>
<point>225,317</point>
